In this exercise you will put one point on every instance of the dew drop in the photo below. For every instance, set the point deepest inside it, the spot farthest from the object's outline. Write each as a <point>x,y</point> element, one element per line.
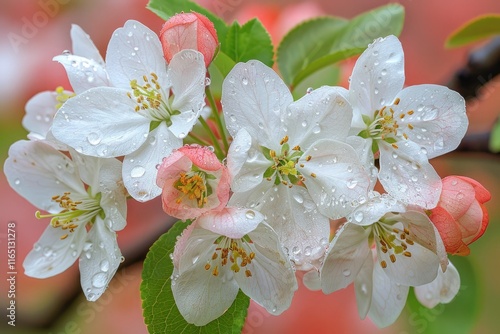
<point>352,183</point>
<point>47,251</point>
<point>17,182</point>
<point>99,280</point>
<point>304,123</point>
<point>298,198</point>
<point>94,138</point>
<point>346,272</point>
<point>207,81</point>
<point>364,288</point>
<point>316,129</point>
<point>358,216</point>
<point>309,90</point>
<point>394,155</point>
<point>137,171</point>
<point>250,214</point>
<point>91,297</point>
<point>244,81</point>
<point>104,265</point>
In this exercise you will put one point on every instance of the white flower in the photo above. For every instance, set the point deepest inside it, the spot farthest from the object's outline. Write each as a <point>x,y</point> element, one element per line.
<point>409,126</point>
<point>404,245</point>
<point>137,118</point>
<point>289,159</point>
<point>80,194</point>
<point>222,252</point>
<point>85,67</point>
<point>442,290</point>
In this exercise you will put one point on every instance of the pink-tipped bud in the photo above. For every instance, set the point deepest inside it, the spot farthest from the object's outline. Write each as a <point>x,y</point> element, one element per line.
<point>460,216</point>
<point>189,31</point>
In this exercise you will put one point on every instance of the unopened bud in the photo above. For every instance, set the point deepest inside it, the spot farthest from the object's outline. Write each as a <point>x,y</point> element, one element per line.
<point>189,31</point>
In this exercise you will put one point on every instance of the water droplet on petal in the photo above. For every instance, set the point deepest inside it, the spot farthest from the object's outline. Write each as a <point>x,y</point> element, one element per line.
<point>17,182</point>
<point>250,214</point>
<point>137,171</point>
<point>298,197</point>
<point>309,90</point>
<point>346,272</point>
<point>358,216</point>
<point>99,280</point>
<point>364,288</point>
<point>94,138</point>
<point>244,81</point>
<point>104,265</point>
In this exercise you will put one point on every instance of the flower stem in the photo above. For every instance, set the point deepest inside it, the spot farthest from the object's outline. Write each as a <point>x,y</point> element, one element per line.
<point>218,150</point>
<point>218,119</point>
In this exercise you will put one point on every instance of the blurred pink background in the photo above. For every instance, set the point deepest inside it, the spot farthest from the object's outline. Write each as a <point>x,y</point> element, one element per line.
<point>26,68</point>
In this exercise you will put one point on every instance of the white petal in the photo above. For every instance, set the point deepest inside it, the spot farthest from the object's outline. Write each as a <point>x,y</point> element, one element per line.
<point>421,267</point>
<point>51,255</point>
<point>339,177</point>
<point>231,222</point>
<point>83,45</point>
<point>40,111</point>
<point>135,51</point>
<point>273,281</point>
<point>407,175</point>
<point>442,290</point>
<point>101,122</point>
<point>377,77</point>
<point>374,209</point>
<point>254,97</point>
<point>199,295</point>
<point>38,172</point>
<point>439,120</point>
<point>83,73</point>
<point>245,163</point>
<point>346,256</point>
<point>139,167</point>
<point>363,286</point>
<point>312,280</point>
<point>322,114</point>
<point>114,200</point>
<point>99,261</point>
<point>294,216</point>
<point>388,299</point>
<point>187,74</point>
<point>363,148</point>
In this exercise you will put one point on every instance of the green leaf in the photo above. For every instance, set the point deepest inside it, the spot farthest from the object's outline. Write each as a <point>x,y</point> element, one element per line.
<point>318,43</point>
<point>168,8</point>
<point>495,138</point>
<point>218,69</point>
<point>250,41</point>
<point>160,312</point>
<point>329,75</point>
<point>475,30</point>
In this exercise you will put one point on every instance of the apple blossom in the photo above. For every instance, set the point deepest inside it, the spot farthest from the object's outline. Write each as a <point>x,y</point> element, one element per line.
<point>189,31</point>
<point>460,216</point>
<point>407,126</point>
<point>224,251</point>
<point>193,182</point>
<point>137,117</point>
<point>79,193</point>
<point>383,248</point>
<point>289,159</point>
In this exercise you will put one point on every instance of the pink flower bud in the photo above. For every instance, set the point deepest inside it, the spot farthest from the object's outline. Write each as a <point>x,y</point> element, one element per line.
<point>460,216</point>
<point>189,31</point>
<point>193,182</point>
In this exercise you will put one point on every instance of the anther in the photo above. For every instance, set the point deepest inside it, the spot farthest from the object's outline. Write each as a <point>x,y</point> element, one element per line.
<point>407,254</point>
<point>396,102</point>
<point>308,158</point>
<point>410,126</point>
<point>284,140</point>
<point>393,258</point>
<point>383,264</point>
<point>207,266</point>
<point>313,175</point>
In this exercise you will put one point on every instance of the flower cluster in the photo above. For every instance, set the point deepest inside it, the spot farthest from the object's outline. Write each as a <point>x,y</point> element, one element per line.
<point>278,186</point>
